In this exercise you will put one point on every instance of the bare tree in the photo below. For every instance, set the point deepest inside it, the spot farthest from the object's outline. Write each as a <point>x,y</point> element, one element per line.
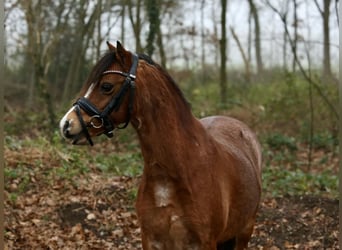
<point>249,38</point>
<point>243,54</point>
<point>86,26</point>
<point>295,25</point>
<point>136,21</point>
<point>254,12</point>
<point>215,36</point>
<point>152,9</point>
<point>41,45</point>
<point>285,15</point>
<point>123,17</point>
<point>307,76</point>
<point>98,37</point>
<point>77,58</point>
<point>161,47</point>
<point>325,13</point>
<point>336,10</point>
<point>202,40</point>
<point>223,50</point>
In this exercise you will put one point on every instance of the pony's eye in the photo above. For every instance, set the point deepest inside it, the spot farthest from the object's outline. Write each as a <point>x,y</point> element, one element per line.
<point>106,87</point>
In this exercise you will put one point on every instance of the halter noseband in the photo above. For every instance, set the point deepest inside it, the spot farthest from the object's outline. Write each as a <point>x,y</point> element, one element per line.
<point>101,119</point>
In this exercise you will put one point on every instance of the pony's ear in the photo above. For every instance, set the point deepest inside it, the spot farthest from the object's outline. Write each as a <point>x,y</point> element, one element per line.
<point>111,47</point>
<point>122,54</point>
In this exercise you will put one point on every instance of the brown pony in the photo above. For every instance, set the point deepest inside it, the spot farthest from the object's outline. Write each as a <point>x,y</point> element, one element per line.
<point>201,183</point>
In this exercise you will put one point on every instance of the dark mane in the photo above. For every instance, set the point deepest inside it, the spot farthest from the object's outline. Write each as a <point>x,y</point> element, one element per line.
<point>102,65</point>
<point>109,58</point>
<point>175,87</point>
<point>147,59</point>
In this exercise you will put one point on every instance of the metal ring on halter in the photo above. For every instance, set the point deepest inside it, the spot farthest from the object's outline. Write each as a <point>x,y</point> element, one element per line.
<point>98,118</point>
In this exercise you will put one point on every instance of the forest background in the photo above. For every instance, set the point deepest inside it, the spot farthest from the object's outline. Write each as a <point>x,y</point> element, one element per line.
<point>272,64</point>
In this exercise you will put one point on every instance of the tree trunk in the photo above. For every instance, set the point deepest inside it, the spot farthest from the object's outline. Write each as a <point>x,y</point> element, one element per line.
<point>215,37</point>
<point>161,48</point>
<point>325,13</point>
<point>285,41</point>
<point>123,15</point>
<point>255,15</point>
<point>152,10</point>
<point>70,78</point>
<point>249,38</point>
<point>326,48</point>
<point>81,42</point>
<point>223,50</point>
<point>98,28</point>
<point>136,23</point>
<point>202,42</point>
<point>285,47</point>
<point>326,32</point>
<point>31,45</point>
<point>243,54</point>
<point>40,66</point>
<point>295,35</point>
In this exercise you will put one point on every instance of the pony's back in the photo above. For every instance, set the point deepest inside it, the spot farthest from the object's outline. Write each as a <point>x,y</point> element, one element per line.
<point>235,136</point>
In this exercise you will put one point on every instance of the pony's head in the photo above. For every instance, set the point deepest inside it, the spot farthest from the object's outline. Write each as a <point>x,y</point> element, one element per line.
<point>106,100</point>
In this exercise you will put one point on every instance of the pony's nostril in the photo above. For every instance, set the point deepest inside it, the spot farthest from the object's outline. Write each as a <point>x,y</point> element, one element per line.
<point>66,128</point>
<point>66,125</point>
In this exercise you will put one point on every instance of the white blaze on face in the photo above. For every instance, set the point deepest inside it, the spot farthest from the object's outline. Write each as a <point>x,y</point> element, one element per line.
<point>91,88</point>
<point>74,128</point>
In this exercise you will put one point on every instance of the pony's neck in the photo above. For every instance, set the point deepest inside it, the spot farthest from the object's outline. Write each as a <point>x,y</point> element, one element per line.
<point>167,130</point>
<point>170,147</point>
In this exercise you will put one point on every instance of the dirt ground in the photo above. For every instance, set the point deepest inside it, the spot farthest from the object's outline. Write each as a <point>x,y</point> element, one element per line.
<point>97,212</point>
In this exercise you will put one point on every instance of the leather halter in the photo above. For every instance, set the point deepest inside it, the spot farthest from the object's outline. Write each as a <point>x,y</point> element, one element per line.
<point>101,118</point>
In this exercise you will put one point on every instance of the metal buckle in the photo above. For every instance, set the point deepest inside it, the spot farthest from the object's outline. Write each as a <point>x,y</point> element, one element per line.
<point>93,123</point>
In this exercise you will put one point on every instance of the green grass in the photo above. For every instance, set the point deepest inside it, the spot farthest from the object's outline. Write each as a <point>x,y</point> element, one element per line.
<point>278,181</point>
<point>127,164</point>
<point>35,161</point>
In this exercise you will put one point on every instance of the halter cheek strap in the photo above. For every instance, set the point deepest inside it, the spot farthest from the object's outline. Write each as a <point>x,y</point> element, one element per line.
<point>114,104</point>
<point>84,126</point>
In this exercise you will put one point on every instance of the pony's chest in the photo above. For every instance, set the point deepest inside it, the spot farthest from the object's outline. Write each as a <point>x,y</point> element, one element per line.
<point>163,195</point>
<point>160,202</point>
<point>164,226</point>
<point>160,210</point>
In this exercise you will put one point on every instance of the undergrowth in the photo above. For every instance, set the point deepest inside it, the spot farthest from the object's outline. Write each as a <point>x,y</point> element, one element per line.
<point>278,112</point>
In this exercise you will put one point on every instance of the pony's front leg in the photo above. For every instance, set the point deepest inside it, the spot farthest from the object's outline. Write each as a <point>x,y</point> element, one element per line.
<point>243,238</point>
<point>153,242</point>
<point>149,244</point>
<point>144,242</point>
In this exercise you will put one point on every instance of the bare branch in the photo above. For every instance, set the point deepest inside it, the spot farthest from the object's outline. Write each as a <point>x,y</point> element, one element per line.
<point>319,8</point>
<point>301,68</point>
<point>243,54</point>
<point>337,14</point>
<point>281,15</point>
<point>9,9</point>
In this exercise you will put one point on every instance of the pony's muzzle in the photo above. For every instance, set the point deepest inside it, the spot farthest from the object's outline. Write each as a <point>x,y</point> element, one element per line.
<point>69,126</point>
<point>67,132</point>
<point>65,129</point>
